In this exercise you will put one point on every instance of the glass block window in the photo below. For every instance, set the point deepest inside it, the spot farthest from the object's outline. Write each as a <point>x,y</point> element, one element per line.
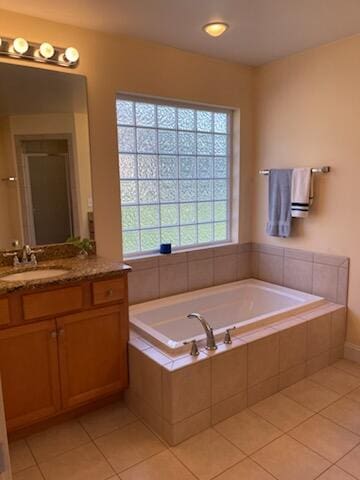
<point>174,163</point>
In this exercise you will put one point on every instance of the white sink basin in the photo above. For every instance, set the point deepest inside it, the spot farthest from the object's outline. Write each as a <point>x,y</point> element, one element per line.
<point>39,274</point>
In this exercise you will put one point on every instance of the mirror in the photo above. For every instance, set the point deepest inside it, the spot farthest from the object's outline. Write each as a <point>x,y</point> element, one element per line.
<point>45,178</point>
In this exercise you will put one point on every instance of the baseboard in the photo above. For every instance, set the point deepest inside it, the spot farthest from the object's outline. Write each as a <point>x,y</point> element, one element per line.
<point>352,352</point>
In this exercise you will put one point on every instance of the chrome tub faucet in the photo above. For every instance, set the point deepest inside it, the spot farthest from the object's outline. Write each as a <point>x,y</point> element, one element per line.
<point>210,339</point>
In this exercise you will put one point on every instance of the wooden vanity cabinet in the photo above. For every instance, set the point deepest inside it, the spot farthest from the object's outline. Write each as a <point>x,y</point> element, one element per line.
<point>52,363</point>
<point>92,361</point>
<point>30,373</point>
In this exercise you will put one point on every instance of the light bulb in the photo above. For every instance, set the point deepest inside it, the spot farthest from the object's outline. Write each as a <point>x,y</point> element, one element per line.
<point>71,55</point>
<point>20,45</point>
<point>46,50</point>
<point>215,29</point>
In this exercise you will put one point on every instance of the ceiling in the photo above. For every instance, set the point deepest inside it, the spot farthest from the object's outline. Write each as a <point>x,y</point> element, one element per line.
<point>27,90</point>
<point>260,30</point>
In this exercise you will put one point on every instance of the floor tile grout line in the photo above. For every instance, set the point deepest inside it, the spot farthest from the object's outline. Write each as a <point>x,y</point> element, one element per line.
<point>50,459</point>
<point>91,440</point>
<point>308,408</point>
<point>332,389</point>
<point>31,452</point>
<point>338,424</point>
<point>265,445</point>
<point>285,431</point>
<point>336,464</point>
<point>337,461</point>
<point>308,418</point>
<point>320,454</point>
<point>62,453</point>
<point>346,371</point>
<point>136,419</point>
<point>182,463</point>
<point>137,463</point>
<point>305,446</point>
<point>287,434</point>
<point>341,396</point>
<point>220,473</point>
<point>350,474</point>
<point>38,463</point>
<point>23,470</point>
<point>351,398</point>
<point>104,457</point>
<point>231,442</point>
<point>261,466</point>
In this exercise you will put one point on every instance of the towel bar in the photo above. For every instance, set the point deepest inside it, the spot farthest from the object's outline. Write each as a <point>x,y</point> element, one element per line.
<point>9,179</point>
<point>313,170</point>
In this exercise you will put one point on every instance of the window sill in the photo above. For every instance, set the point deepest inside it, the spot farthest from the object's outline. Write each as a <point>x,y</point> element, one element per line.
<point>213,247</point>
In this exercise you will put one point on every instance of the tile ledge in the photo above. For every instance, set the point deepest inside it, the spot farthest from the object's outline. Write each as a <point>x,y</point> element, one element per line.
<point>178,252</point>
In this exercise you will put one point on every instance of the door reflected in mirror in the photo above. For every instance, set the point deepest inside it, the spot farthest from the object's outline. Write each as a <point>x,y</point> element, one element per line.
<point>45,177</point>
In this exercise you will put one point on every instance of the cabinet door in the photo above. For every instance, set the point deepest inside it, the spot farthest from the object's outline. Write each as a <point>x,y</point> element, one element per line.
<point>30,373</point>
<point>92,354</point>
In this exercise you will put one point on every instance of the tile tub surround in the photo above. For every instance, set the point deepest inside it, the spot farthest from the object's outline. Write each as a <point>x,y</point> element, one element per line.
<point>183,395</point>
<point>160,276</point>
<point>323,275</point>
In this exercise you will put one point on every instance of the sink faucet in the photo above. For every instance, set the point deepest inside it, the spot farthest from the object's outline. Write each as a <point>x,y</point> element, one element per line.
<point>28,256</point>
<point>210,339</point>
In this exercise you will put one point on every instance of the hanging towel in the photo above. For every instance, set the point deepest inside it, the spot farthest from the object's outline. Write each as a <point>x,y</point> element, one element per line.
<point>301,192</point>
<point>279,223</point>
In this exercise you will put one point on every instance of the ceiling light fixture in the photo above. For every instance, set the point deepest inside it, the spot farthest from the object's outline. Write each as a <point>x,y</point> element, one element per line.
<point>215,29</point>
<point>44,52</point>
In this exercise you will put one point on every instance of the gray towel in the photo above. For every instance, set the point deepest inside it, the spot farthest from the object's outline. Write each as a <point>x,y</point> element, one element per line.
<point>279,224</point>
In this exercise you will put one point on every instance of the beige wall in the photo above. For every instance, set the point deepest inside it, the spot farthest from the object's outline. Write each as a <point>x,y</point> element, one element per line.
<point>308,114</point>
<point>120,64</point>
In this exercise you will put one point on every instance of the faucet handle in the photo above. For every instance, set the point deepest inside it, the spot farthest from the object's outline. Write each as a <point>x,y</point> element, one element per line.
<point>194,352</point>
<point>16,261</point>
<point>227,338</point>
<point>38,250</point>
<point>9,254</point>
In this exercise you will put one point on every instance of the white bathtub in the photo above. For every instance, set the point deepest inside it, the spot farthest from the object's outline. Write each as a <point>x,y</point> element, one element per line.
<point>245,305</point>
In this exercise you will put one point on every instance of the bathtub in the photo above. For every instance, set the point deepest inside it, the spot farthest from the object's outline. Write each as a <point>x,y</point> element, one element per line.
<point>245,305</point>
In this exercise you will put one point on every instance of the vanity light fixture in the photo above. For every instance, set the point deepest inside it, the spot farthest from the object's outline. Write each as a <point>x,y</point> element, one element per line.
<point>44,52</point>
<point>71,55</point>
<point>20,45</point>
<point>215,29</point>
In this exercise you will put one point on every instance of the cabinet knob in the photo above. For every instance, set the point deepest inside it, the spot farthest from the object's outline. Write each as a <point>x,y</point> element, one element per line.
<point>61,332</point>
<point>110,292</point>
<point>53,334</point>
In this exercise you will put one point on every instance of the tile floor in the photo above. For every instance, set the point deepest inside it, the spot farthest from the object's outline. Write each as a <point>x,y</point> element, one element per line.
<point>309,430</point>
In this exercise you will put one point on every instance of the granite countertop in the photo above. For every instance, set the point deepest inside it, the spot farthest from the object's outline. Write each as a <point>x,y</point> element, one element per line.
<point>93,267</point>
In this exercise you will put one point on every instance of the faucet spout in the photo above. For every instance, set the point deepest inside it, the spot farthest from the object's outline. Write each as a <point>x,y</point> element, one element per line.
<point>210,339</point>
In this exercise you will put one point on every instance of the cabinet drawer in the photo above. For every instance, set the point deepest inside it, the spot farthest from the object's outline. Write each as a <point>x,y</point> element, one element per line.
<point>106,291</point>
<point>45,304</point>
<point>4,311</point>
